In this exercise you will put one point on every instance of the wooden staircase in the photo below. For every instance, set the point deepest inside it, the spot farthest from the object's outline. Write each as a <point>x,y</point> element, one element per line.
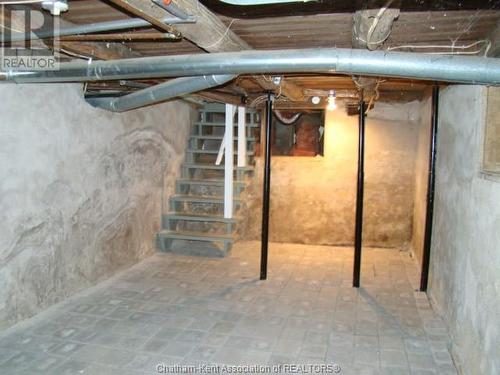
<point>195,224</point>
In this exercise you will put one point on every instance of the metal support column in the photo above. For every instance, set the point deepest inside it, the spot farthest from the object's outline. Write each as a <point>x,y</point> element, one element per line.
<point>267,188</point>
<point>358,234</point>
<point>424,277</point>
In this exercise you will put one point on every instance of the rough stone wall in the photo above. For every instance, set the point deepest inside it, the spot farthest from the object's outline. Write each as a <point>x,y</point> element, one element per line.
<point>81,191</point>
<point>421,179</point>
<point>313,198</point>
<point>465,256</point>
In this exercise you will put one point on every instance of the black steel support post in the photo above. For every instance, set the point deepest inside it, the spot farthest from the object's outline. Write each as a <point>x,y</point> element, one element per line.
<point>424,277</point>
<point>267,188</point>
<point>358,231</point>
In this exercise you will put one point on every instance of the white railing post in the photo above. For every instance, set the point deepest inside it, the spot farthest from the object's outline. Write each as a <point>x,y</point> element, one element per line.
<point>228,162</point>
<point>220,154</point>
<point>242,137</point>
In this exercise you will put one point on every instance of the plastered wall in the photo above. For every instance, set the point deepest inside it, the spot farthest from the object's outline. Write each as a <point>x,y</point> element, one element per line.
<point>313,198</point>
<point>81,190</point>
<point>465,255</point>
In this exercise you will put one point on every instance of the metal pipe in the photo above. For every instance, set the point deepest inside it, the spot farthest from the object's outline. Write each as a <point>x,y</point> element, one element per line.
<point>134,84</point>
<point>358,230</point>
<point>160,92</point>
<point>431,181</point>
<point>130,23</point>
<point>130,36</point>
<point>266,189</point>
<point>449,68</point>
<point>173,9</point>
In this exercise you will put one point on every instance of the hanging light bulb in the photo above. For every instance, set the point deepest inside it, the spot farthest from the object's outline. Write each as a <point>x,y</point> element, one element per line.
<point>331,101</point>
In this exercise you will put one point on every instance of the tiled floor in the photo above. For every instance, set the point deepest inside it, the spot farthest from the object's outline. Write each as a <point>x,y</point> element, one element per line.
<point>173,309</point>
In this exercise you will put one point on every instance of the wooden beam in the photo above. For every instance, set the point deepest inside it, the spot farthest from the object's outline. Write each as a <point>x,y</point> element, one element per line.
<point>399,97</point>
<point>288,88</point>
<point>103,51</point>
<point>220,97</point>
<point>208,32</point>
<point>149,11</point>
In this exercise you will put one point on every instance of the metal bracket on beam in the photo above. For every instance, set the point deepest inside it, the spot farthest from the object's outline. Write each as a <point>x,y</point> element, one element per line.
<point>174,10</point>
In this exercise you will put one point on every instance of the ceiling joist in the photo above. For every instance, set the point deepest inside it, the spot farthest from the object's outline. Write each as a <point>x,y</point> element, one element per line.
<point>214,33</point>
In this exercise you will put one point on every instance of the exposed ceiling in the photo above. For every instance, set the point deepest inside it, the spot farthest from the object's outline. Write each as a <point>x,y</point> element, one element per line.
<point>297,25</point>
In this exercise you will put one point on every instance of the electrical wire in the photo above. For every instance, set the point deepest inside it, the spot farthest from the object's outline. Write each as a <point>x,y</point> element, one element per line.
<point>374,24</point>
<point>278,95</point>
<point>258,100</point>
<point>262,98</point>
<point>453,47</point>
<point>10,28</point>
<point>74,54</point>
<point>222,37</point>
<point>374,97</point>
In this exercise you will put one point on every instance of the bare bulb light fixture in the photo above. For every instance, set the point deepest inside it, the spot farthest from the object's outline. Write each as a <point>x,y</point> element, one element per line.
<point>315,100</point>
<point>331,101</point>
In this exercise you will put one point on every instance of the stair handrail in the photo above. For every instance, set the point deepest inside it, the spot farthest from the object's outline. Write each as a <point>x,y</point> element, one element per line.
<point>242,141</point>
<point>228,161</point>
<point>226,149</point>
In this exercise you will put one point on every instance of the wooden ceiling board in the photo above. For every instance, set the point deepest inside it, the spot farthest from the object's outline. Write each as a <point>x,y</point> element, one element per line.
<point>313,31</point>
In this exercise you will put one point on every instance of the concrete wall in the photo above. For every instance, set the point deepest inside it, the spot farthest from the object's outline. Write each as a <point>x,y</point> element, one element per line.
<point>421,180</point>
<point>80,191</point>
<point>465,258</point>
<point>313,199</point>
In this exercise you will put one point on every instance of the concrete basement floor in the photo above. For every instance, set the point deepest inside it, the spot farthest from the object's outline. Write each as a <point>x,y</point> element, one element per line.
<point>174,309</point>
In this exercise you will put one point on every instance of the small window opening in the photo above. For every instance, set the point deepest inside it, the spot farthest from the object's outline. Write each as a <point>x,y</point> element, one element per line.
<point>302,137</point>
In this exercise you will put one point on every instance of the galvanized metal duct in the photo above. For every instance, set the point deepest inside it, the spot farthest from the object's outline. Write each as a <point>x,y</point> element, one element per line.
<point>160,92</point>
<point>446,68</point>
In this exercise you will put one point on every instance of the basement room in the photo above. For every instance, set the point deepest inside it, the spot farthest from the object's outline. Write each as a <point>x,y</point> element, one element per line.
<point>250,187</point>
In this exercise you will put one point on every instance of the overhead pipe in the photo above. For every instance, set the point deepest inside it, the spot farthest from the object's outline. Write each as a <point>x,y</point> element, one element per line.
<point>446,68</point>
<point>127,36</point>
<point>131,23</point>
<point>160,92</point>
